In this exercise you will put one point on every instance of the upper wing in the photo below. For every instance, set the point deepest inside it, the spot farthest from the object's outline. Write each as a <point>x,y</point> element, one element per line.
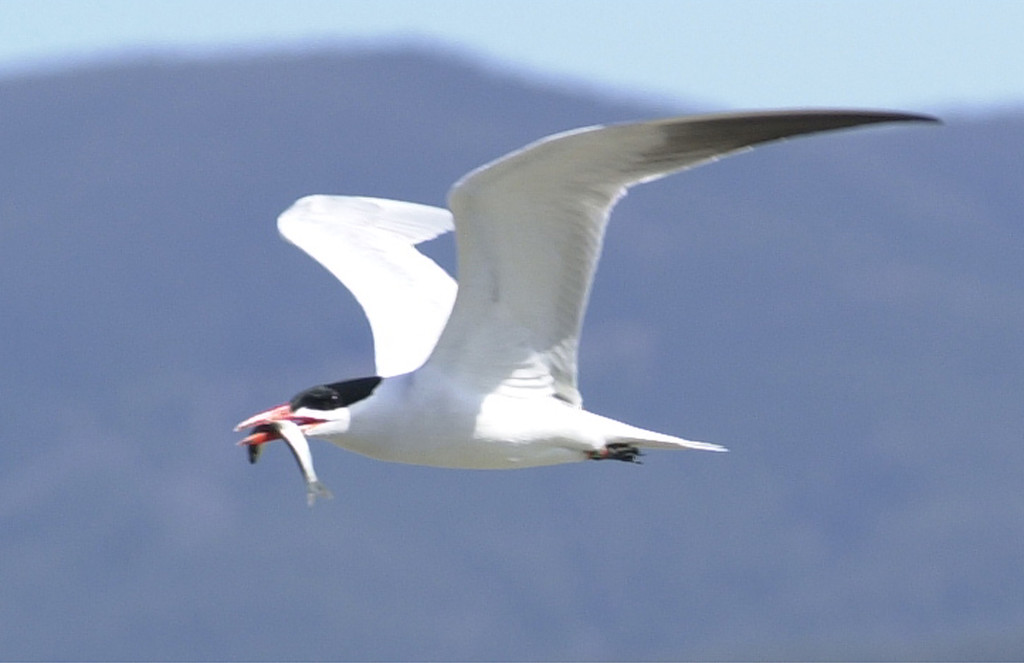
<point>369,245</point>
<point>529,228</point>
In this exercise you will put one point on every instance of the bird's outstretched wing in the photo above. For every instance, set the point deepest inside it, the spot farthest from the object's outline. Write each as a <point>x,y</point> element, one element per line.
<point>369,245</point>
<point>530,226</point>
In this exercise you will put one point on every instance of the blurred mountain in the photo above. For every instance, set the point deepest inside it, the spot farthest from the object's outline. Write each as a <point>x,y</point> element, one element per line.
<point>844,312</point>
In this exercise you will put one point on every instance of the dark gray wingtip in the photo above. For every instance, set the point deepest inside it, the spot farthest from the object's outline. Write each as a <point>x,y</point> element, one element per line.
<point>824,118</point>
<point>690,140</point>
<point>921,117</point>
<point>861,117</point>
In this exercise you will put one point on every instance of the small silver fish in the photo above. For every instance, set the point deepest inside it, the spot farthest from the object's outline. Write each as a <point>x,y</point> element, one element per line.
<point>292,434</point>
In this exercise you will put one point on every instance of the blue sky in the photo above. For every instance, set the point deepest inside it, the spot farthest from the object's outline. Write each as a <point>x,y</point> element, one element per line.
<point>917,54</point>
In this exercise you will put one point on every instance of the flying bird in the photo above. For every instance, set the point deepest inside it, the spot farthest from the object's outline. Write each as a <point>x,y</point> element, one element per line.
<point>483,374</point>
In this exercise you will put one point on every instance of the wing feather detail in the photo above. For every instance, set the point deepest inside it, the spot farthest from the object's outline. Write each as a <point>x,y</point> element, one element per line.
<point>369,245</point>
<point>530,225</point>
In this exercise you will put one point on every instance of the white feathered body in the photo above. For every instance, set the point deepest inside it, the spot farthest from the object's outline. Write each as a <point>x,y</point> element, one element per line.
<point>426,419</point>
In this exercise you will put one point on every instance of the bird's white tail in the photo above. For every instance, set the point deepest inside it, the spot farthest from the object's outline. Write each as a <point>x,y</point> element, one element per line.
<point>638,437</point>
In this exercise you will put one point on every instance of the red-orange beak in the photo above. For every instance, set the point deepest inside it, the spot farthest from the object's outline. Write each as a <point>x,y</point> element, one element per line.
<point>263,424</point>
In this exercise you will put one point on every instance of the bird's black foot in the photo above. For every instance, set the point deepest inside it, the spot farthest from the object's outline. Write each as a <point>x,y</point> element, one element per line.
<point>624,452</point>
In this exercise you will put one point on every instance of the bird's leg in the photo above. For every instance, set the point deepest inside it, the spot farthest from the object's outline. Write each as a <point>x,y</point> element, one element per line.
<point>618,451</point>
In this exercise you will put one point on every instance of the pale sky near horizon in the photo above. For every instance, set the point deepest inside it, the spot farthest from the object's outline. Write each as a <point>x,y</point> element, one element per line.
<point>913,54</point>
